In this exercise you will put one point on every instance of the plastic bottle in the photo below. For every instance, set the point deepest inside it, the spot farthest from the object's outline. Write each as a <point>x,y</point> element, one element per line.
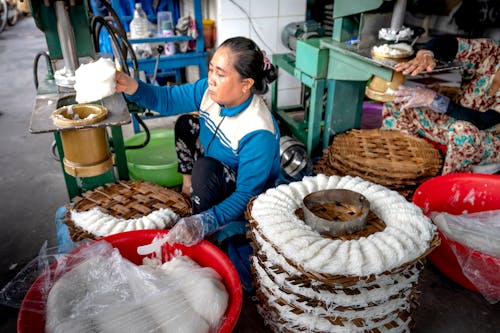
<point>139,28</point>
<point>168,31</point>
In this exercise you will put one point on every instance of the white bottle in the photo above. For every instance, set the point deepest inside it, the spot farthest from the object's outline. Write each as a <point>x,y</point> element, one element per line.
<point>139,28</point>
<point>168,31</point>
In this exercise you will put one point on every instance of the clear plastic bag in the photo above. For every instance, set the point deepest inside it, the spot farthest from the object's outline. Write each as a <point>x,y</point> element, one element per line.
<point>95,289</point>
<point>12,294</point>
<point>479,257</point>
<point>480,231</point>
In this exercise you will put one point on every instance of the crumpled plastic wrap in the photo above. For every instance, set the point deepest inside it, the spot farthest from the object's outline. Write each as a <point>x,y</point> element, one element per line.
<point>479,258</point>
<point>12,294</point>
<point>95,289</point>
<point>480,231</point>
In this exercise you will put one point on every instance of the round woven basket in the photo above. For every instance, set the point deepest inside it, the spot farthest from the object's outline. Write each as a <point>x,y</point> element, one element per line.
<point>127,200</point>
<point>387,157</point>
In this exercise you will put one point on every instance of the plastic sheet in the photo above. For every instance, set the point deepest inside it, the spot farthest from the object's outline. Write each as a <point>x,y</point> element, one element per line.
<point>12,294</point>
<point>480,231</point>
<point>96,290</point>
<point>479,258</point>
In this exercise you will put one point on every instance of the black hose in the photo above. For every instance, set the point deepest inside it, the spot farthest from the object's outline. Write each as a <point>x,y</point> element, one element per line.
<point>35,66</point>
<point>146,131</point>
<point>116,19</point>
<point>113,32</point>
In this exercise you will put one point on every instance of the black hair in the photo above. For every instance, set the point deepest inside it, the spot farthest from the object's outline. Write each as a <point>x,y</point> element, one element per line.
<point>251,63</point>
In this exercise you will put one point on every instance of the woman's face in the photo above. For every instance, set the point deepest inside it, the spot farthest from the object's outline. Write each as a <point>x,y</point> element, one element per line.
<point>225,85</point>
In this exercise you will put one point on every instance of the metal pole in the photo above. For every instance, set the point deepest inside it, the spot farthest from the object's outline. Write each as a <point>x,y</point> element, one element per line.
<point>398,15</point>
<point>66,38</point>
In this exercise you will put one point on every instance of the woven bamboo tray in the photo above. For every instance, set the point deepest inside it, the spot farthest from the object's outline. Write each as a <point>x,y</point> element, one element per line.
<point>125,199</point>
<point>387,157</point>
<point>273,269</point>
<point>335,282</point>
<point>347,281</point>
<point>275,306</point>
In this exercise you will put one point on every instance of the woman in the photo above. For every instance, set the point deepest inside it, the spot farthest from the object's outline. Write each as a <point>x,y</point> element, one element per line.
<point>229,150</point>
<point>467,126</point>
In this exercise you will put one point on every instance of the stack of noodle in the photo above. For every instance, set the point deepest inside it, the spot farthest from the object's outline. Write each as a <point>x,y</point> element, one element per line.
<point>364,282</point>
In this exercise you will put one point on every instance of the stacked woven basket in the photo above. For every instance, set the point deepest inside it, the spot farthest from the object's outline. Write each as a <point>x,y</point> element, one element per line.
<point>125,200</point>
<point>307,282</point>
<point>391,158</point>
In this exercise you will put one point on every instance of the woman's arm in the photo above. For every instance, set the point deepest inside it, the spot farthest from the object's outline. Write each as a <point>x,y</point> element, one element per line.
<point>482,120</point>
<point>163,99</point>
<point>444,48</point>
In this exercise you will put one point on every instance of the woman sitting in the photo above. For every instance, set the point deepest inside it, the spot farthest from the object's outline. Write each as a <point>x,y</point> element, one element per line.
<point>467,126</point>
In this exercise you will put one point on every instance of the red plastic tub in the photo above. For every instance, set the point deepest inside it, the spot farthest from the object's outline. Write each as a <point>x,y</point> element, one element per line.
<point>204,253</point>
<point>457,194</point>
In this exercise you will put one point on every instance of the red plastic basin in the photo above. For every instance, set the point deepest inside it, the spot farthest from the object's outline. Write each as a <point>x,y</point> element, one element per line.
<point>457,194</point>
<point>204,253</point>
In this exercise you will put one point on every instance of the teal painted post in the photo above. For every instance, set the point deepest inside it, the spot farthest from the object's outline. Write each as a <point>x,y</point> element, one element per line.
<point>343,108</point>
<point>119,151</point>
<point>71,183</point>
<point>314,115</point>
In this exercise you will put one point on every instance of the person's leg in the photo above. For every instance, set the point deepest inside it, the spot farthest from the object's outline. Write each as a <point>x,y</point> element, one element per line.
<point>467,145</point>
<point>186,184</point>
<point>188,147</point>
<point>211,183</point>
<point>420,122</point>
<point>395,119</point>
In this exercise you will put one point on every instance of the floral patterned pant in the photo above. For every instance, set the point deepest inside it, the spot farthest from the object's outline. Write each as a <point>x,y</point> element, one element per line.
<point>466,145</point>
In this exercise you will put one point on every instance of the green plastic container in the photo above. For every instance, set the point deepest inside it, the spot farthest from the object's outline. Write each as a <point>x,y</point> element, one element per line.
<point>157,162</point>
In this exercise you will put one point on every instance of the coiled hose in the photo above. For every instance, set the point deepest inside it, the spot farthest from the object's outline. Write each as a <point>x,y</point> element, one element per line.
<point>117,33</point>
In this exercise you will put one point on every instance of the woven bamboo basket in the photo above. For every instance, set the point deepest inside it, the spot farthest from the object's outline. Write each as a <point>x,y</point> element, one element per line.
<point>387,157</point>
<point>275,310</point>
<point>272,270</point>
<point>127,200</point>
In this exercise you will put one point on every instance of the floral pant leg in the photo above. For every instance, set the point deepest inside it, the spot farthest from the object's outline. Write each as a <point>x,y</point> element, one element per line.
<point>466,145</point>
<point>187,142</point>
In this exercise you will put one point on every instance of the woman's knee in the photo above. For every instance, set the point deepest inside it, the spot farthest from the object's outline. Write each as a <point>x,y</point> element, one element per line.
<point>461,127</point>
<point>206,184</point>
<point>184,121</point>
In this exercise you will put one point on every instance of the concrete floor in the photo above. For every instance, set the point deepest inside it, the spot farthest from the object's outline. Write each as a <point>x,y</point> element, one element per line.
<point>32,188</point>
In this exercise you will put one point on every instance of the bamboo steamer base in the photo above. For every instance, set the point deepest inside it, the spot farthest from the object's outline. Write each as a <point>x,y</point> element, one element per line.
<point>127,200</point>
<point>390,158</point>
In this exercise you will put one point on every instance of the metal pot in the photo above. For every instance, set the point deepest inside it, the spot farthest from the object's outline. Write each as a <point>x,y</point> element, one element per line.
<point>294,157</point>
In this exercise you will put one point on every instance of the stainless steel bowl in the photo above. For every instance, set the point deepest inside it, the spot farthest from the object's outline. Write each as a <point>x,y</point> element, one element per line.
<point>336,212</point>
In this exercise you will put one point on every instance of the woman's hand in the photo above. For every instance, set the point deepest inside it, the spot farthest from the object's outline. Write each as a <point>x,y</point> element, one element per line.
<point>424,60</point>
<point>192,229</point>
<point>410,97</point>
<point>421,97</point>
<point>125,83</point>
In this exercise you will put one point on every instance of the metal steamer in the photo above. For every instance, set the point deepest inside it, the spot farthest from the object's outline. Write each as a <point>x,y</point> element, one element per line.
<point>87,157</point>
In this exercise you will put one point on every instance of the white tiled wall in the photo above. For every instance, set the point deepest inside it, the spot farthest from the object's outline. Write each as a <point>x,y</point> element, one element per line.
<point>263,21</point>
